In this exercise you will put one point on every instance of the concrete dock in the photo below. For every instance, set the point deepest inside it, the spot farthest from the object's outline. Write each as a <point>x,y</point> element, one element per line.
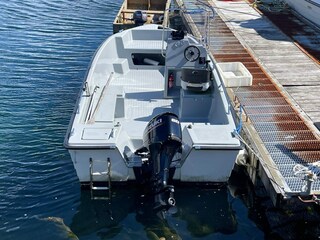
<point>281,108</point>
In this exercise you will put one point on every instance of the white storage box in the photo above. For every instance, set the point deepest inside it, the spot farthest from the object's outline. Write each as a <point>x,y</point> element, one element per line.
<point>235,74</point>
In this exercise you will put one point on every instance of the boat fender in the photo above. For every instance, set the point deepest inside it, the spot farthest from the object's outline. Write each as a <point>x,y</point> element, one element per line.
<point>242,158</point>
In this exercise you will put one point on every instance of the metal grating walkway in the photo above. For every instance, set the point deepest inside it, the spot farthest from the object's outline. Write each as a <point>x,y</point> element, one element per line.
<point>281,128</point>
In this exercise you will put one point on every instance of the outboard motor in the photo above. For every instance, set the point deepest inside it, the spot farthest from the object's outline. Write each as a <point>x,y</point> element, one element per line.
<point>139,18</point>
<point>162,139</point>
<point>157,19</point>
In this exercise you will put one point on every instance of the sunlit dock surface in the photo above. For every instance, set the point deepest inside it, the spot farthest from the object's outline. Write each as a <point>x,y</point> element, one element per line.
<point>281,108</point>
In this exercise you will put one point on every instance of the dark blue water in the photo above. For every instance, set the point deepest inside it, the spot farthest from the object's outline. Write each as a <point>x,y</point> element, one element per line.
<point>45,48</point>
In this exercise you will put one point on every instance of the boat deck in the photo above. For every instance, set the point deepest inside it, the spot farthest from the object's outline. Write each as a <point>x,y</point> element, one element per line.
<point>281,106</point>
<point>144,89</point>
<point>144,99</point>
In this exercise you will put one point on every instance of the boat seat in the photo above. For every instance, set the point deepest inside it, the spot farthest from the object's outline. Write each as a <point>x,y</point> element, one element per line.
<point>111,106</point>
<point>145,45</point>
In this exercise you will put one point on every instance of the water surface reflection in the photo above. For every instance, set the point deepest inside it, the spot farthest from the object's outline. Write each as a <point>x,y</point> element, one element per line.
<point>199,213</point>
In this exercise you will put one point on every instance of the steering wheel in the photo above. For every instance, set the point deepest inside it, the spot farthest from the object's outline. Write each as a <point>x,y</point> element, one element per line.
<point>192,53</point>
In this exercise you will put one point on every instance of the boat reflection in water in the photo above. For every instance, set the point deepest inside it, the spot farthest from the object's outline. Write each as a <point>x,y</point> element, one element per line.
<point>206,211</point>
<point>199,212</point>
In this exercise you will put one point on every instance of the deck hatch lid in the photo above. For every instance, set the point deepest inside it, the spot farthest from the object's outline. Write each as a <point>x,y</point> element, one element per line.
<point>98,134</point>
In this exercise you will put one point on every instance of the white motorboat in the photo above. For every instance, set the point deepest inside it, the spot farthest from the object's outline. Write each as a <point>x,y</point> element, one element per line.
<point>309,9</point>
<point>153,108</point>
<point>136,13</point>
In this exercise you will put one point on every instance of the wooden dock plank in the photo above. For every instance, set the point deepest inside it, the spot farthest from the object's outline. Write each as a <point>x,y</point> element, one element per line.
<point>282,59</point>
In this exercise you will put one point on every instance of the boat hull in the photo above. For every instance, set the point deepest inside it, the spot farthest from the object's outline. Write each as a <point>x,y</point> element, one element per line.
<point>309,9</point>
<point>201,165</point>
<point>81,162</point>
<point>122,94</point>
<point>207,166</point>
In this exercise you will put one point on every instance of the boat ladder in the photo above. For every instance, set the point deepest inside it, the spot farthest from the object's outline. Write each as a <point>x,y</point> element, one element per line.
<point>94,188</point>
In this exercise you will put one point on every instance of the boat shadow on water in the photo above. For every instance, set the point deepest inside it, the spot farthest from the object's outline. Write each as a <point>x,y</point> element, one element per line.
<point>200,212</point>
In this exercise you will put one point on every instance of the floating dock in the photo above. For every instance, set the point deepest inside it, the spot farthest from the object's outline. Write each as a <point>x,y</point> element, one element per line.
<point>281,109</point>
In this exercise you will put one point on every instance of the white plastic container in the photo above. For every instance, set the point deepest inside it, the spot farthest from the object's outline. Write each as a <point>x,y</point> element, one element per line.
<point>235,74</point>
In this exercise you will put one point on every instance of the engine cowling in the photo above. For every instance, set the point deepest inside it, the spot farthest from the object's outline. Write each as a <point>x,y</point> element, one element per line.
<point>163,128</point>
<point>139,17</point>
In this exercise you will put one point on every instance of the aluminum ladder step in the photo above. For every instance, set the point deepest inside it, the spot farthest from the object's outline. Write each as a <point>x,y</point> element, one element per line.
<point>100,188</point>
